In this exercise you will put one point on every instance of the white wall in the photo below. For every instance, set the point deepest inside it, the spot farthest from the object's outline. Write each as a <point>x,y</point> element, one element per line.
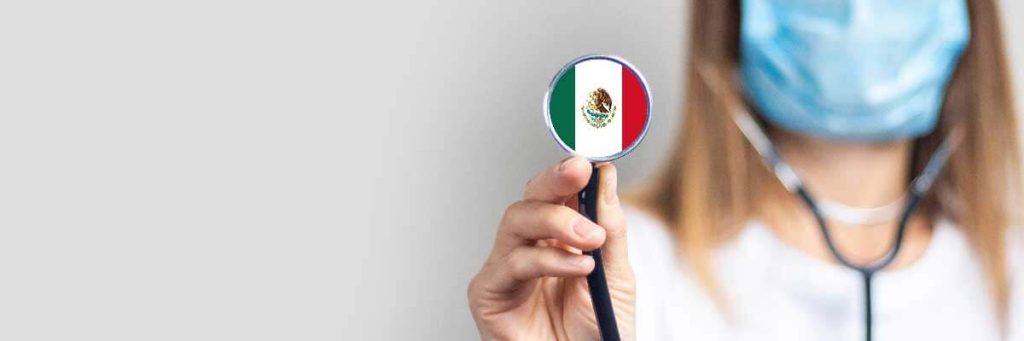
<point>304,170</point>
<point>471,77</point>
<point>1013,29</point>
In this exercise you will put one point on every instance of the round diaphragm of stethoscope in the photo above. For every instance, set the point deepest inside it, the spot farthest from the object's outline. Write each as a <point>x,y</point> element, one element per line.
<point>598,107</point>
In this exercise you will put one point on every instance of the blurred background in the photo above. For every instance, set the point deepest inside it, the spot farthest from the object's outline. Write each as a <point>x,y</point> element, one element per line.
<point>289,170</point>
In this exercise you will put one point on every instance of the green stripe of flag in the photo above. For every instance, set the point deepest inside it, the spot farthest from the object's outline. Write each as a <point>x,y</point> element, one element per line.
<point>563,103</point>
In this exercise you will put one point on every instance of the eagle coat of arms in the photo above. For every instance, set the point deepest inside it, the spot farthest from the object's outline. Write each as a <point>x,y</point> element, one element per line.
<point>599,110</point>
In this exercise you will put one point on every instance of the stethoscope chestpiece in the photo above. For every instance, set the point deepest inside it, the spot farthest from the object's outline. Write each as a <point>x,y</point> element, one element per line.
<point>598,107</point>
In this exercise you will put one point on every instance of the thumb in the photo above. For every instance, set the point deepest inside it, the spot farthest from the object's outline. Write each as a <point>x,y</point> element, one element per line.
<point>621,283</point>
<point>609,216</point>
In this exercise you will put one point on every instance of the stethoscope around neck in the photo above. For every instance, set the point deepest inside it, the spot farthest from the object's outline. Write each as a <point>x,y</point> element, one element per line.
<point>918,188</point>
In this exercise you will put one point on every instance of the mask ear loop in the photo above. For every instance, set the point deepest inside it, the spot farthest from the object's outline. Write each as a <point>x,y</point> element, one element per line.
<point>791,181</point>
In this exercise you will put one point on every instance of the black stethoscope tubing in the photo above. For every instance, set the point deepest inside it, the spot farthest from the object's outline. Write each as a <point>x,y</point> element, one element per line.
<point>867,272</point>
<point>785,174</point>
<point>919,187</point>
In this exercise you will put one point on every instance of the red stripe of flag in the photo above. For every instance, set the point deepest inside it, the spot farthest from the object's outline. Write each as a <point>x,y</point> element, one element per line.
<point>634,107</point>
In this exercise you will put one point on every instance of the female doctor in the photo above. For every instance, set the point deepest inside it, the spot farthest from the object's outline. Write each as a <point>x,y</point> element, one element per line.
<point>827,147</point>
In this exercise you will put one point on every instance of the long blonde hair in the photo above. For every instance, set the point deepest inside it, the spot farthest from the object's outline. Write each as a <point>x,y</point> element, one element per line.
<point>713,181</point>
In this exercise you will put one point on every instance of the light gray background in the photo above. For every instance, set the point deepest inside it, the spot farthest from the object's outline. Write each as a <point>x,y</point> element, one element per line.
<point>286,170</point>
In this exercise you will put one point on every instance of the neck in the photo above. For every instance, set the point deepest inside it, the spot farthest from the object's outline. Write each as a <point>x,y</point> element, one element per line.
<point>859,175</point>
<point>853,174</point>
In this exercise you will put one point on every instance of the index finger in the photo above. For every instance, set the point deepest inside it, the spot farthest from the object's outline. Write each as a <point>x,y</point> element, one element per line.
<point>557,183</point>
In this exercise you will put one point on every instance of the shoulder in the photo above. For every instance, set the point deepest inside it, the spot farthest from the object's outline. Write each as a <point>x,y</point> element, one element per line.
<point>652,249</point>
<point>666,289</point>
<point>1014,267</point>
<point>652,245</point>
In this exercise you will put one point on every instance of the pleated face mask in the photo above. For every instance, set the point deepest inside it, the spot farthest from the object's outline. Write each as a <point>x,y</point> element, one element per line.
<point>851,70</point>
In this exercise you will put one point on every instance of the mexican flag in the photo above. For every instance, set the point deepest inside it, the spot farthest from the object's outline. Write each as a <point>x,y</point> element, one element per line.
<point>598,108</point>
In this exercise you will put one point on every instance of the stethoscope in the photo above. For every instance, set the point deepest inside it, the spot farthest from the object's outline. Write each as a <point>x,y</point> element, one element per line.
<point>600,298</point>
<point>918,188</point>
<point>615,74</point>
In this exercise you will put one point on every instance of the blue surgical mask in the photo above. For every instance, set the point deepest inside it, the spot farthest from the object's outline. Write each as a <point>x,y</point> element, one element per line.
<point>851,70</point>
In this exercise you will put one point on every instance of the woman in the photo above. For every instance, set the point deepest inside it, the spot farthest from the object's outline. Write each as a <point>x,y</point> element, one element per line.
<point>857,97</point>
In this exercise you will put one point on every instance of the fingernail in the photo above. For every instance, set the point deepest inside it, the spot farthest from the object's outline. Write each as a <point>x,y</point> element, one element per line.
<point>610,198</point>
<point>609,190</point>
<point>584,228</point>
<point>581,260</point>
<point>565,163</point>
